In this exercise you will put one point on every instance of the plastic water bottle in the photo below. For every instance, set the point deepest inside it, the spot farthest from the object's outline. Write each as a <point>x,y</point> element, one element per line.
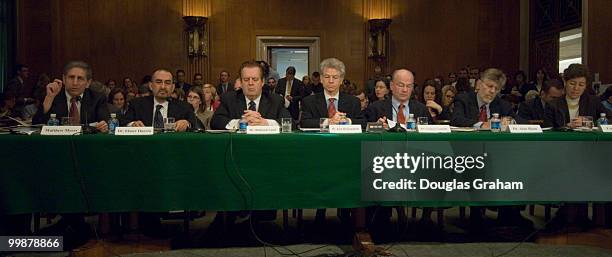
<point>53,121</point>
<point>495,123</point>
<point>411,122</point>
<point>602,119</point>
<point>113,123</point>
<point>242,124</point>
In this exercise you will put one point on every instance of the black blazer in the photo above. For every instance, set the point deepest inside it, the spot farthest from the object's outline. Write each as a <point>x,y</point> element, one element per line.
<point>230,87</point>
<point>297,92</point>
<point>384,108</point>
<point>233,104</point>
<point>557,113</point>
<point>142,109</point>
<point>93,108</point>
<point>466,110</point>
<point>314,107</point>
<point>532,109</point>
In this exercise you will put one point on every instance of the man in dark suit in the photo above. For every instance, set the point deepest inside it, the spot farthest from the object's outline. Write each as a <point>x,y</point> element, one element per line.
<point>293,90</point>
<point>534,110</point>
<point>258,107</point>
<point>398,107</point>
<point>475,109</point>
<point>70,97</point>
<point>180,81</point>
<point>566,111</point>
<point>152,110</point>
<point>224,83</point>
<point>331,103</point>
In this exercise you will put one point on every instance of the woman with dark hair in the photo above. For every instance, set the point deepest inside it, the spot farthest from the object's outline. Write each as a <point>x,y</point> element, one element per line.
<point>541,77</point>
<point>381,90</point>
<point>521,83</point>
<point>463,85</point>
<point>431,96</point>
<point>117,101</point>
<point>204,104</point>
<point>569,111</point>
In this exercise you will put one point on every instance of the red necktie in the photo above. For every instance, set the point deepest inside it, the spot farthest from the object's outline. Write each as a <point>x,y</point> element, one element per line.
<point>75,118</point>
<point>401,118</point>
<point>482,117</point>
<point>331,110</point>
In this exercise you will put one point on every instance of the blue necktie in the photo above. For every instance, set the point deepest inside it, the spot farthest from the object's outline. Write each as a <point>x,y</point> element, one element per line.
<point>158,119</point>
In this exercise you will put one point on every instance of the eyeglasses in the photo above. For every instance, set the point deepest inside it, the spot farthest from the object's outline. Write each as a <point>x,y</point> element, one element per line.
<point>193,97</point>
<point>166,82</point>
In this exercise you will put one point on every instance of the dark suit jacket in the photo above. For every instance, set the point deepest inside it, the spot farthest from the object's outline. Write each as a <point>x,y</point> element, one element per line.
<point>19,90</point>
<point>185,87</point>
<point>297,92</point>
<point>141,109</point>
<point>557,113</point>
<point>314,107</point>
<point>93,108</point>
<point>233,104</point>
<point>466,110</point>
<point>385,108</point>
<point>532,109</point>
<point>230,87</point>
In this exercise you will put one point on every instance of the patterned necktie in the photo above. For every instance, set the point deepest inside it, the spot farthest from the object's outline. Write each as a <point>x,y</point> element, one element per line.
<point>252,106</point>
<point>158,119</point>
<point>75,118</point>
<point>288,91</point>
<point>482,117</point>
<point>331,109</point>
<point>401,118</point>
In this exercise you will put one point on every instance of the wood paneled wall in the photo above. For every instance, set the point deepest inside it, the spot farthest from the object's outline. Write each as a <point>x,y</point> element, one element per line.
<point>599,38</point>
<point>132,37</point>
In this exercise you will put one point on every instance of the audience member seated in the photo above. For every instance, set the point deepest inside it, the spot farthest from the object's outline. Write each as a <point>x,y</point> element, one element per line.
<point>332,103</point>
<point>178,94</point>
<point>522,85</point>
<point>381,91</point>
<point>448,97</point>
<point>606,99</point>
<point>534,110</point>
<point>541,78</point>
<point>430,95</point>
<point>567,111</point>
<point>180,81</point>
<point>117,102</point>
<point>316,87</point>
<point>152,110</point>
<point>360,94</point>
<point>258,108</point>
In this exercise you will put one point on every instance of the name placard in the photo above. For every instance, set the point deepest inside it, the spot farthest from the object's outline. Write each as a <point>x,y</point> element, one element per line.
<point>263,130</point>
<point>60,130</point>
<point>605,128</point>
<point>522,128</point>
<point>375,127</point>
<point>433,129</point>
<point>345,129</point>
<point>134,131</point>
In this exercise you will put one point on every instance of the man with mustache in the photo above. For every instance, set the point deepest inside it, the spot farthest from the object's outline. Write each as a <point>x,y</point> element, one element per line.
<point>152,110</point>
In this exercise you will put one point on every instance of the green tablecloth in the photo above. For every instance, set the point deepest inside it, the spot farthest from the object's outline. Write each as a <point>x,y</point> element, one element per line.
<point>201,171</point>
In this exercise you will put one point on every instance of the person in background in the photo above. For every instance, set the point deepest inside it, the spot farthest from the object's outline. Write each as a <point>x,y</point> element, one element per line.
<point>117,102</point>
<point>606,99</point>
<point>381,91</point>
<point>534,110</point>
<point>180,81</point>
<point>431,97</point>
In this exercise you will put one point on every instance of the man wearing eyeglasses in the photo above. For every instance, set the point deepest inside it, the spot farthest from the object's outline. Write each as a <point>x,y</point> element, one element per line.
<point>153,110</point>
<point>399,106</point>
<point>331,103</point>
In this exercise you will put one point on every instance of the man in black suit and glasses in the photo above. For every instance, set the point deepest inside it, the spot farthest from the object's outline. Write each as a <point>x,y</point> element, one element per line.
<point>257,106</point>
<point>151,110</point>
<point>331,103</point>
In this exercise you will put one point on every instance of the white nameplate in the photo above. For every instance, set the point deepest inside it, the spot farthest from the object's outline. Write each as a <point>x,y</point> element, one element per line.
<point>134,131</point>
<point>60,130</point>
<point>606,128</point>
<point>345,129</point>
<point>516,128</point>
<point>263,130</point>
<point>433,129</point>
